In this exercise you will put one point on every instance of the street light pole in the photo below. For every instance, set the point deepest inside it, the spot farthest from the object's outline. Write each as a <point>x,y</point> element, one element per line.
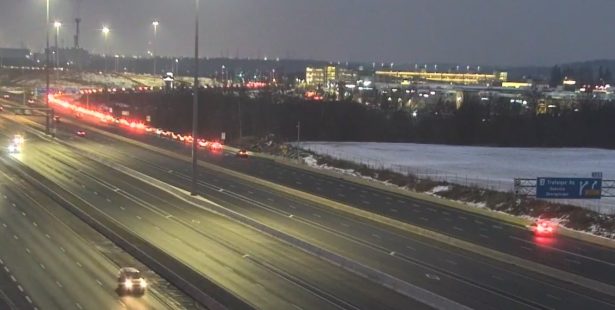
<point>57,25</point>
<point>155,24</point>
<point>105,32</point>
<point>47,70</point>
<point>195,103</point>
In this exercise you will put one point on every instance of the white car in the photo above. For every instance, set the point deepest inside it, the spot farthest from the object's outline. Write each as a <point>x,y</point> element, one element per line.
<point>14,148</point>
<point>130,281</point>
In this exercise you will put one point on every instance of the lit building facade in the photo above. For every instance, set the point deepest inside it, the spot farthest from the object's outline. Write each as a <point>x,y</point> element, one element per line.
<point>443,77</point>
<point>329,76</point>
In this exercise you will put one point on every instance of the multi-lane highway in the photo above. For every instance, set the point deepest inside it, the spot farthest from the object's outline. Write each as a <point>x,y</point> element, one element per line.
<point>55,262</point>
<point>469,279</point>
<point>575,256</point>
<point>447,271</point>
<point>263,271</point>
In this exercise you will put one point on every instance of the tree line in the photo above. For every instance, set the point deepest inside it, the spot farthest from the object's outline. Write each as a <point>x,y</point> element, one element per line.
<point>475,123</point>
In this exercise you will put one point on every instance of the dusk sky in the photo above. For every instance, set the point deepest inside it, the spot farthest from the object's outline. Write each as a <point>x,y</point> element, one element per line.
<point>489,32</point>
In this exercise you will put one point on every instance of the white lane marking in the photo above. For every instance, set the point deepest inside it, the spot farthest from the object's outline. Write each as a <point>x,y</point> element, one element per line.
<point>96,193</point>
<point>432,276</point>
<point>496,277</point>
<point>48,236</point>
<point>5,197</point>
<point>3,224</point>
<point>108,200</point>
<point>497,226</point>
<point>23,213</point>
<point>564,251</point>
<point>78,305</point>
<point>59,284</point>
<point>292,207</point>
<point>270,199</point>
<point>79,264</point>
<point>376,236</point>
<point>484,236</point>
<point>392,253</point>
<point>99,283</point>
<point>394,210</point>
<point>246,255</point>
<point>478,222</point>
<point>29,299</point>
<point>13,278</point>
<point>1,262</point>
<point>450,261</point>
<point>15,236</point>
<point>20,288</point>
<point>170,171</point>
<point>123,209</point>
<point>27,250</point>
<point>139,218</point>
<point>573,261</point>
<point>553,297</point>
<point>34,223</point>
<point>157,228</point>
<point>221,190</point>
<point>62,249</point>
<point>251,192</point>
<point>463,217</point>
<point>526,248</point>
<point>366,202</point>
<point>298,183</point>
<point>42,266</point>
<point>291,216</point>
<point>316,215</point>
<point>344,224</point>
<point>457,228</point>
<point>169,216</point>
<point>14,205</point>
<point>410,248</point>
<point>6,269</point>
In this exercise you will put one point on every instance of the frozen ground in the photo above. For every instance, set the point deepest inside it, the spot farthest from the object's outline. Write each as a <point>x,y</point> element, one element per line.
<point>488,167</point>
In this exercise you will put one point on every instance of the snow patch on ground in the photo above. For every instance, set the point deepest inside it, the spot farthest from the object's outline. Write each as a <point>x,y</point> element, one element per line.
<point>485,167</point>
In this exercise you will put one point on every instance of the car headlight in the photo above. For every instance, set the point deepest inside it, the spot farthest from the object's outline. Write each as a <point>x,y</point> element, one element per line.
<point>143,283</point>
<point>128,284</point>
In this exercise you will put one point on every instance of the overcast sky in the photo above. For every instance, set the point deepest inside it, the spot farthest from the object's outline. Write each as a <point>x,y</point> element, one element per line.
<point>489,32</point>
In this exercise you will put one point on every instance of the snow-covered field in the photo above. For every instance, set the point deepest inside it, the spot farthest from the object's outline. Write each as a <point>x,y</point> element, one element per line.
<point>488,167</point>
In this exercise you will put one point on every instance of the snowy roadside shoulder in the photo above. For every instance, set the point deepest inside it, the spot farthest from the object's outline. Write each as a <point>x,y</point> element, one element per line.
<point>571,217</point>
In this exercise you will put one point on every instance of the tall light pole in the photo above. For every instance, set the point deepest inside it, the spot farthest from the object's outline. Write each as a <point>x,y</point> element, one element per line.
<point>195,102</point>
<point>155,24</point>
<point>57,25</point>
<point>105,31</point>
<point>47,69</point>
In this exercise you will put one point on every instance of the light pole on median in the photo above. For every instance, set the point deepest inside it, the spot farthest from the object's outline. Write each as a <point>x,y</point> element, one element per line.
<point>155,24</point>
<point>195,102</point>
<point>47,70</point>
<point>105,31</point>
<point>57,26</point>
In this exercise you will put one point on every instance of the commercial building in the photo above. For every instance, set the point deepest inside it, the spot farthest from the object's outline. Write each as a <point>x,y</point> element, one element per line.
<point>443,77</point>
<point>329,76</point>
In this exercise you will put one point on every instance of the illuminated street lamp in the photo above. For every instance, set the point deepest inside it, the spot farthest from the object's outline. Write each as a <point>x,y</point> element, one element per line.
<point>47,69</point>
<point>57,25</point>
<point>195,102</point>
<point>155,24</point>
<point>105,31</point>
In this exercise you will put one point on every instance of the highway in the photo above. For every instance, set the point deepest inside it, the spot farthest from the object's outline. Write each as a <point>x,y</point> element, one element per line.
<point>55,262</point>
<point>265,272</point>
<point>447,271</point>
<point>576,256</point>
